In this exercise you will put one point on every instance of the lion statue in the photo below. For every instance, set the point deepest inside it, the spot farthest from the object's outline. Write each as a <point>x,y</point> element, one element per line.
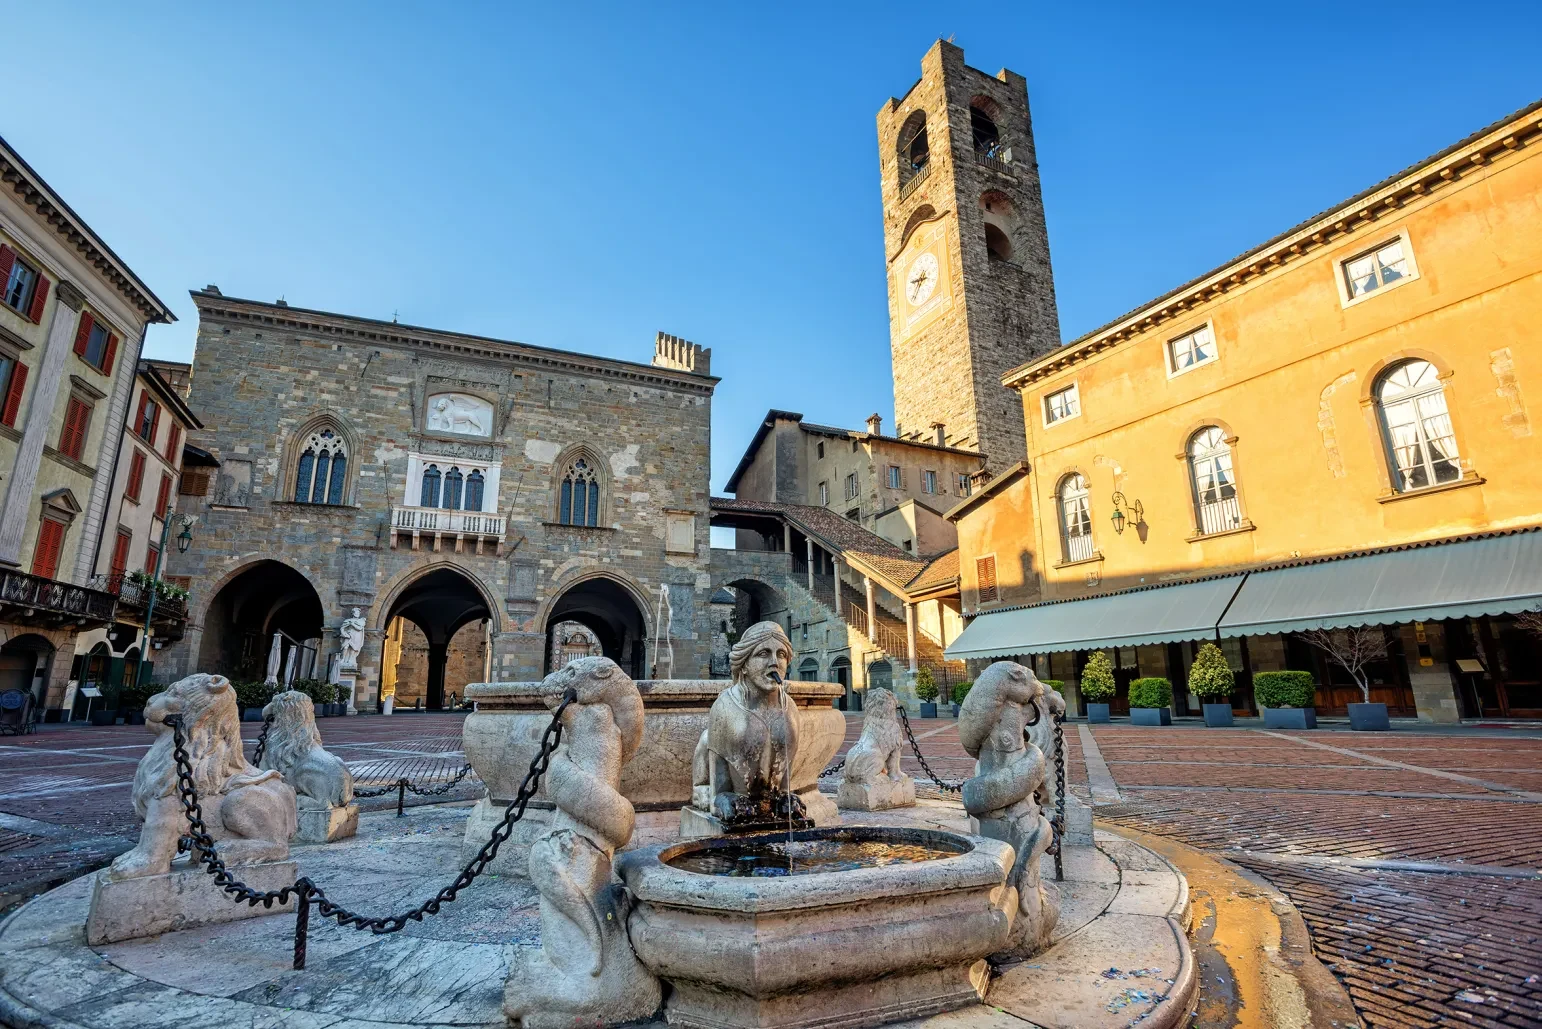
<point>1003,797</point>
<point>294,749</point>
<point>873,780</point>
<point>250,813</point>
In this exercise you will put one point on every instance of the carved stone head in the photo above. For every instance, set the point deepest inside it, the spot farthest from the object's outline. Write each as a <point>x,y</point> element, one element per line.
<point>763,648</point>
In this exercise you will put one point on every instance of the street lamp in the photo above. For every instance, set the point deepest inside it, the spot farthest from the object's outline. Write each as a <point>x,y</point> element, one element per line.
<point>1137,512</point>
<point>184,540</point>
<point>185,537</point>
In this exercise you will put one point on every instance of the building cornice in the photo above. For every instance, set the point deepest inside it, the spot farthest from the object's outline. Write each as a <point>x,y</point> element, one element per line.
<point>72,229</point>
<point>1011,474</point>
<point>372,332</point>
<point>1382,201</point>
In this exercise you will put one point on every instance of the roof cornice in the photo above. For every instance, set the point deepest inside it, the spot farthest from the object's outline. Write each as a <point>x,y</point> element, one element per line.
<point>30,188</point>
<point>1430,176</point>
<point>1009,475</point>
<point>373,332</point>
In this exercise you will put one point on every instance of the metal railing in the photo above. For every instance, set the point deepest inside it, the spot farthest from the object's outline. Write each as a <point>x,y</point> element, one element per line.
<point>1219,516</point>
<point>1079,547</point>
<point>998,158</point>
<point>446,520</point>
<point>916,178</point>
<point>135,594</point>
<point>49,595</point>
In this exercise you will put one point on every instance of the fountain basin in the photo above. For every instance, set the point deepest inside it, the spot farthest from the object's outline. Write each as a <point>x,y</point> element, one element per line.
<point>848,947</point>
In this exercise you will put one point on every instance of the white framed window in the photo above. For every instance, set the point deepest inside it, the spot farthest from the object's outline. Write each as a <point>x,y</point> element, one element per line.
<point>824,494</point>
<point>1416,423</point>
<point>1075,504</point>
<point>1216,507</point>
<point>1062,404</point>
<point>963,484</point>
<point>1191,350</point>
<point>851,486</point>
<point>896,477</point>
<point>1387,264</point>
<point>928,481</point>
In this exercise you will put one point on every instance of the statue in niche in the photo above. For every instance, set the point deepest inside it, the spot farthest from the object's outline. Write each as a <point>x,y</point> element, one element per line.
<point>585,973</point>
<point>742,771</point>
<point>1003,798</point>
<point>459,413</point>
<point>351,636</point>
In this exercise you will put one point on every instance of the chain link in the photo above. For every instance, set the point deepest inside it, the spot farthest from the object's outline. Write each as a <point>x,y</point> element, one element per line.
<point>1059,821</point>
<point>422,791</point>
<point>833,769</point>
<point>910,735</point>
<point>308,893</point>
<point>262,741</point>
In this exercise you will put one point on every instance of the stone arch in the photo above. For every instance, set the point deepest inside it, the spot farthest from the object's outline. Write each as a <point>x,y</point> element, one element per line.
<point>923,214</point>
<point>912,147</point>
<point>758,601</point>
<point>403,582</point>
<point>613,608</point>
<point>294,448</point>
<point>985,128</point>
<point>1002,224</point>
<point>440,599</point>
<point>26,664</point>
<point>247,606</point>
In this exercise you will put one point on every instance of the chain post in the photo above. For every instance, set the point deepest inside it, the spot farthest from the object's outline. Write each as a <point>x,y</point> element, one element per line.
<point>401,796</point>
<point>302,922</point>
<point>910,735</point>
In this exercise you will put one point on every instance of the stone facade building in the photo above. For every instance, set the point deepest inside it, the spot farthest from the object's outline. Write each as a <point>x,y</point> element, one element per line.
<point>447,480</point>
<point>971,294</point>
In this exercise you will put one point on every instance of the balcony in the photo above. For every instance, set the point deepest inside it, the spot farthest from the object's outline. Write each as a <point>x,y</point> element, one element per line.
<point>997,158</point>
<point>437,527</point>
<point>917,176</point>
<point>31,600</point>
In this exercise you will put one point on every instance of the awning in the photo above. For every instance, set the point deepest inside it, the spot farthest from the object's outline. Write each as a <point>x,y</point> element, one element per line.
<point>1157,615</point>
<point>1497,575</point>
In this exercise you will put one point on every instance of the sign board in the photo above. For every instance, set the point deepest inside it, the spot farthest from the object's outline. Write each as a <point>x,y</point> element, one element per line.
<point>90,691</point>
<point>1467,664</point>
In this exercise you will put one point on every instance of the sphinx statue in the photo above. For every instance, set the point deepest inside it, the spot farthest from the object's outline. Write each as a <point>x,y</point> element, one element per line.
<point>584,972</point>
<point>742,768</point>
<point>1005,795</point>
<point>873,780</point>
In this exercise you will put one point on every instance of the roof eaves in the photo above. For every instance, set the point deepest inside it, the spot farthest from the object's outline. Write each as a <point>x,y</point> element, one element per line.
<point>1011,474</point>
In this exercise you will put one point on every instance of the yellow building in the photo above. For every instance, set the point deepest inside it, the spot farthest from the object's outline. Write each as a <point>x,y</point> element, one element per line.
<point>1332,429</point>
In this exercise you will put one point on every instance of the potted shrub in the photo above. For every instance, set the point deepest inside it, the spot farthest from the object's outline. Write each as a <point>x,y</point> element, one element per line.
<point>1097,686</point>
<point>252,698</point>
<point>926,693</point>
<point>320,692</point>
<point>1286,699</point>
<point>960,691</point>
<point>132,701</point>
<point>1353,649</point>
<point>1213,682</point>
<point>1151,701</point>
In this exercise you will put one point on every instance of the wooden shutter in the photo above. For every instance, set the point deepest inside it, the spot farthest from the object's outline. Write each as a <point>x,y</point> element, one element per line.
<point>50,538</point>
<point>110,355</point>
<point>7,262</point>
<point>194,484</point>
<point>13,395</point>
<point>173,441</point>
<point>163,496</point>
<point>72,441</point>
<point>39,298</point>
<point>985,573</point>
<point>120,552</point>
<point>155,422</point>
<point>151,555</point>
<point>139,414</point>
<point>83,334</point>
<point>136,479</point>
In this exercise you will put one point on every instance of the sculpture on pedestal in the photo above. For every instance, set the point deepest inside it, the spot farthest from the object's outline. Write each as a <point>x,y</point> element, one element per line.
<point>350,637</point>
<point>742,769</point>
<point>873,780</point>
<point>322,783</point>
<point>585,972</point>
<point>1003,796</point>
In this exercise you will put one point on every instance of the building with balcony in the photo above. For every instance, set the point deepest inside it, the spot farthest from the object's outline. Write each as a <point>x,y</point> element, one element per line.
<point>72,321</point>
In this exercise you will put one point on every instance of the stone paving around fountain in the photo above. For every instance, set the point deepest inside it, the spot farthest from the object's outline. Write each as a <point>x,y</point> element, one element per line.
<point>1118,952</point>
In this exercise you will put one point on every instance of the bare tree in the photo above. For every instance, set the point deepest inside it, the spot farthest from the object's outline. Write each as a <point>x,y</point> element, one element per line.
<point>1351,649</point>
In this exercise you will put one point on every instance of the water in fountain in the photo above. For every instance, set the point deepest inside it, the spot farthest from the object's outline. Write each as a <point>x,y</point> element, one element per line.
<point>663,633</point>
<point>766,855</point>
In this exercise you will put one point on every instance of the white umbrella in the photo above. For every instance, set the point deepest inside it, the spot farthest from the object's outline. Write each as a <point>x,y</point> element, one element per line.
<point>275,658</point>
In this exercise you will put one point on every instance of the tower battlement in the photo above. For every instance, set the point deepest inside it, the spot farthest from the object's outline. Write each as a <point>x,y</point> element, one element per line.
<point>681,355</point>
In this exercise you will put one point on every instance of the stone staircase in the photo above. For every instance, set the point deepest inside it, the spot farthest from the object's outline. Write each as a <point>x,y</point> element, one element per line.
<point>890,635</point>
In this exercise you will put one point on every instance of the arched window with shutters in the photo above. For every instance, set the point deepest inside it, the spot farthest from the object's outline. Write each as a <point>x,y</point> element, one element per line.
<point>474,485</point>
<point>1416,426</point>
<point>430,492</point>
<point>453,479</point>
<point>1075,506</point>
<point>578,497</point>
<point>1217,508</point>
<point>321,472</point>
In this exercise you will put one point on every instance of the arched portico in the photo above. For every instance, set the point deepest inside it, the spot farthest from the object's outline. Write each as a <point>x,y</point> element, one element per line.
<point>612,610</point>
<point>252,604</point>
<point>442,602</point>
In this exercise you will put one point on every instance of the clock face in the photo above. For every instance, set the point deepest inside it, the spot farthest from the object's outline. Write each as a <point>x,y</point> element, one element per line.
<point>921,279</point>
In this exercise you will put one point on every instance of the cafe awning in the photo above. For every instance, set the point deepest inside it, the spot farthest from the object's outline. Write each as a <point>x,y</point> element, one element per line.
<point>1157,615</point>
<point>1468,579</point>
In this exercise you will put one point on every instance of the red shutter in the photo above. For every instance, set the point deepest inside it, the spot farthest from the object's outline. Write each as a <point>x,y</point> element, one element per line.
<point>139,415</point>
<point>155,423</point>
<point>136,479</point>
<point>7,262</point>
<point>112,352</point>
<point>72,440</point>
<point>39,298</point>
<point>83,334</point>
<point>151,556</point>
<point>163,497</point>
<point>13,395</point>
<point>120,550</point>
<point>173,441</point>
<point>45,560</point>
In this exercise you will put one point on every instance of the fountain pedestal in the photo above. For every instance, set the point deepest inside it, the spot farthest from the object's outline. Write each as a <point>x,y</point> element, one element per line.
<point>184,898</point>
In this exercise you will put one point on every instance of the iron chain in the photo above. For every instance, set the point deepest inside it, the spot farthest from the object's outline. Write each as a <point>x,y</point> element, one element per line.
<point>910,735</point>
<point>308,893</point>
<point>1059,822</point>
<point>262,741</point>
<point>422,791</point>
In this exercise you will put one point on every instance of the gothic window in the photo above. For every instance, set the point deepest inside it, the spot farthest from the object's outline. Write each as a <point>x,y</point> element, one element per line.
<point>474,491</point>
<point>321,474</point>
<point>452,485</point>
<point>1217,508</point>
<point>430,494</point>
<point>579,498</point>
<point>1075,517</point>
<point>1416,425</point>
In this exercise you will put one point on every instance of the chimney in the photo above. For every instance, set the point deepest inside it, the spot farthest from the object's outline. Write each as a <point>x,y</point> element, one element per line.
<point>941,436</point>
<point>875,425</point>
<point>681,355</point>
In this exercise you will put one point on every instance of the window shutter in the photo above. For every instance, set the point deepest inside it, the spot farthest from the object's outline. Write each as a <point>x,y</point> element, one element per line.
<point>83,334</point>
<point>150,558</point>
<point>13,395</point>
<point>173,441</point>
<point>155,422</point>
<point>72,440</point>
<point>39,298</point>
<point>985,572</point>
<point>7,262</point>
<point>194,484</point>
<point>50,537</point>
<point>136,477</point>
<point>139,412</point>
<point>112,352</point>
<point>163,495</point>
<point>120,549</point>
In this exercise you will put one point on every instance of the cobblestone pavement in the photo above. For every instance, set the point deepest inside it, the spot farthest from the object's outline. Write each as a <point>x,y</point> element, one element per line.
<point>65,804</point>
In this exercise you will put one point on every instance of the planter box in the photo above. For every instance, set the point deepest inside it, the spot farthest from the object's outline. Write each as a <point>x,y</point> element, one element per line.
<point>1097,713</point>
<point>1290,718</point>
<point>958,709</point>
<point>1369,717</point>
<point>928,710</point>
<point>104,718</point>
<point>1150,716</point>
<point>251,714</point>
<point>134,718</point>
<point>1218,716</point>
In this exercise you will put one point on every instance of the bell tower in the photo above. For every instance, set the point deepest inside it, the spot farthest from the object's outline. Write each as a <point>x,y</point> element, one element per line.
<point>971,295</point>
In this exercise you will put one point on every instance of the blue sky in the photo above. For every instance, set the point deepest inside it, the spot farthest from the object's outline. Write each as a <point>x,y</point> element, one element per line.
<point>583,175</point>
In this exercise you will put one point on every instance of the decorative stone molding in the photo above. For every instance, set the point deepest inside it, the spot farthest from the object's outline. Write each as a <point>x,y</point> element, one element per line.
<point>70,295</point>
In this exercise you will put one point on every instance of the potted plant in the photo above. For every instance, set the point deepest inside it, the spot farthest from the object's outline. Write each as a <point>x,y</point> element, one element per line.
<point>106,711</point>
<point>1353,649</point>
<point>320,692</point>
<point>926,693</point>
<point>1213,682</point>
<point>252,698</point>
<point>1151,700</point>
<point>1286,699</point>
<point>132,701</point>
<point>960,691</point>
<point>1097,686</point>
